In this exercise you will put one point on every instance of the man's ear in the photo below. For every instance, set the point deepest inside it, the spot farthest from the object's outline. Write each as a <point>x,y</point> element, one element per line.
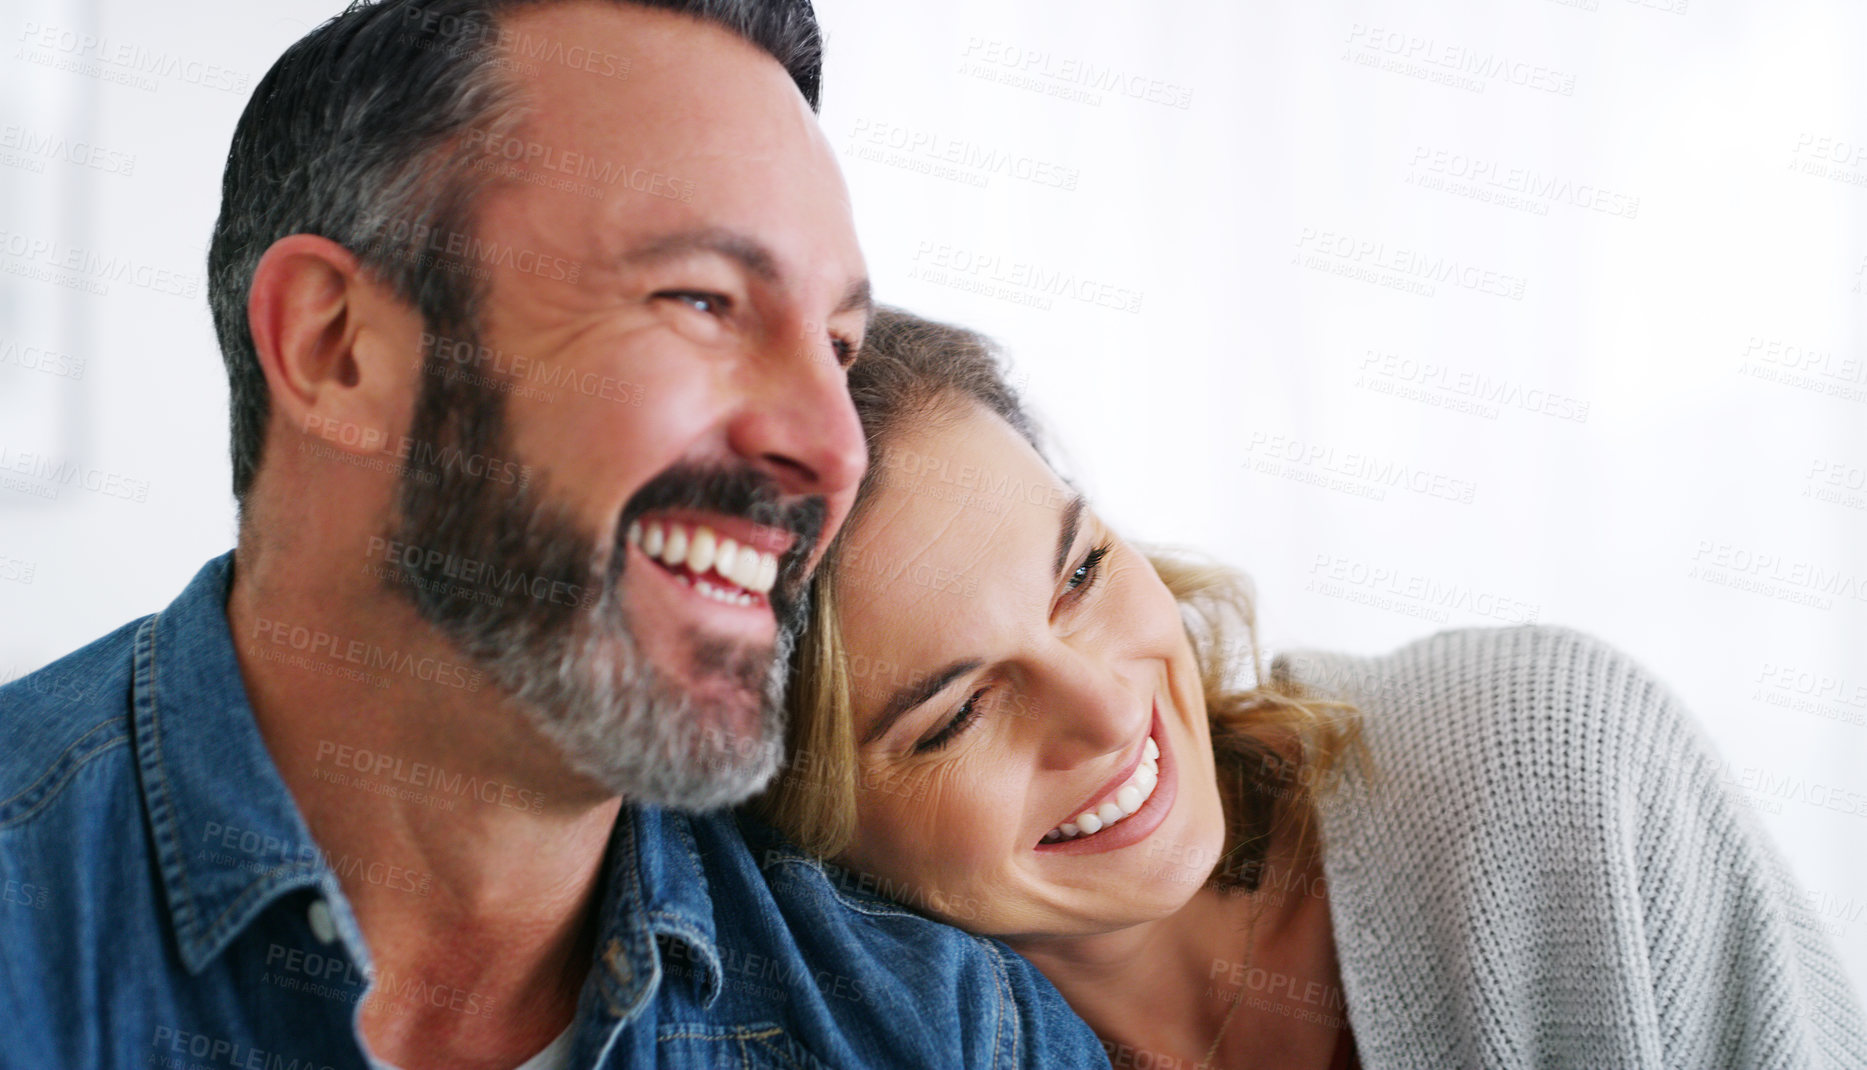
<point>338,349</point>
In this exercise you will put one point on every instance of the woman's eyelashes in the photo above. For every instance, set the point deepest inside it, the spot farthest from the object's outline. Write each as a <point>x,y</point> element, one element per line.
<point>1085,575</point>
<point>961,720</point>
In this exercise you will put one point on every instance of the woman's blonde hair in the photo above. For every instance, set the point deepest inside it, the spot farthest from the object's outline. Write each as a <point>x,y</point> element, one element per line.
<point>1276,743</point>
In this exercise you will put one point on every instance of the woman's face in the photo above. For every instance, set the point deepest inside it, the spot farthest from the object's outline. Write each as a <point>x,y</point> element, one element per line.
<point>1014,667</point>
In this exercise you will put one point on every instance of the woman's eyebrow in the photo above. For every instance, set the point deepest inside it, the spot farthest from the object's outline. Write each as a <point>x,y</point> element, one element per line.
<point>1066,535</point>
<point>911,695</point>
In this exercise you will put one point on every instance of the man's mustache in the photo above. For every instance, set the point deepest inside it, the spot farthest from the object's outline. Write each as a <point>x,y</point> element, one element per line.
<point>740,491</point>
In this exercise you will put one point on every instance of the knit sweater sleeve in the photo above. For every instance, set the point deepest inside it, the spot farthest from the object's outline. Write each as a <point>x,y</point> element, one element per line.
<point>1743,976</point>
<point>1543,866</point>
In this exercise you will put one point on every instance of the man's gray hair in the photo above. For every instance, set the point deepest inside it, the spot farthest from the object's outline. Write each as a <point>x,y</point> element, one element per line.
<point>360,133</point>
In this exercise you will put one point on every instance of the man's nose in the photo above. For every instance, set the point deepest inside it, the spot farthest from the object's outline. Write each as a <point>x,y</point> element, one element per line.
<point>796,422</point>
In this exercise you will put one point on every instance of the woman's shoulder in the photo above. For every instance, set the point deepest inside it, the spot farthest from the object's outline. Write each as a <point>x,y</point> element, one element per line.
<point>1474,663</point>
<point>1536,801</point>
<point>1510,709</point>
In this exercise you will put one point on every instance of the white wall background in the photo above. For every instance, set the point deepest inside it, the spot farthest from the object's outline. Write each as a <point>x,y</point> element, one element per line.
<point>1589,276</point>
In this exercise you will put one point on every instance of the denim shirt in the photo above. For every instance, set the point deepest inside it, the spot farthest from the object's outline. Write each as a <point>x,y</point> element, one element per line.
<point>163,905</point>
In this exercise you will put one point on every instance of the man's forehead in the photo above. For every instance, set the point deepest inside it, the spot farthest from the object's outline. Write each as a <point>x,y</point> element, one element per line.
<point>676,70</point>
<point>706,148</point>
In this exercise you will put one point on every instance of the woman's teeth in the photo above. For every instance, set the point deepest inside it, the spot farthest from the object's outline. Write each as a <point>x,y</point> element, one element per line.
<point>1126,802</point>
<point>722,569</point>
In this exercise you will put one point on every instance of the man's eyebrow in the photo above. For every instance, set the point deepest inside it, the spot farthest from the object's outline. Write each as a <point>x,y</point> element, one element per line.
<point>855,299</point>
<point>747,252</point>
<point>909,696</point>
<point>1066,533</point>
<point>739,248</point>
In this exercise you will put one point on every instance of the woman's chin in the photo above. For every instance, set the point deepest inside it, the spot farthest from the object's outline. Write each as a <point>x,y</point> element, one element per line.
<point>1119,897</point>
<point>1093,914</point>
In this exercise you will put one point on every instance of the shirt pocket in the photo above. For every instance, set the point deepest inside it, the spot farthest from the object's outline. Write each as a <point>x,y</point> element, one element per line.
<point>711,1046</point>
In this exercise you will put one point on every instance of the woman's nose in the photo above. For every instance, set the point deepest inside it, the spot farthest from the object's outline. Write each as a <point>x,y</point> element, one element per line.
<point>1081,708</point>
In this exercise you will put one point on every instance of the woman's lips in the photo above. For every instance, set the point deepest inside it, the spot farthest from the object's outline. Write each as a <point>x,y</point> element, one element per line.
<point>1138,825</point>
<point>1117,805</point>
<point>1122,777</point>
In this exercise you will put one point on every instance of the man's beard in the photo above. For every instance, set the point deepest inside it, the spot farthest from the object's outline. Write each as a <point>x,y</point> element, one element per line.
<point>544,616</point>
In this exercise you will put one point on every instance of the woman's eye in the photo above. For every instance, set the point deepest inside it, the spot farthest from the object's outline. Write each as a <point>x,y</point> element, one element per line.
<point>960,721</point>
<point>1085,575</point>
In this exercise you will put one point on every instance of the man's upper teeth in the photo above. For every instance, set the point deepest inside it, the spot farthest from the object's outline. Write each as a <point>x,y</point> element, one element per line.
<point>700,551</point>
<point>1127,800</point>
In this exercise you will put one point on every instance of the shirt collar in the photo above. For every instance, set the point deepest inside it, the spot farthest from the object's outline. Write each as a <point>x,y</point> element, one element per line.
<point>228,838</point>
<point>230,841</point>
<point>655,886</point>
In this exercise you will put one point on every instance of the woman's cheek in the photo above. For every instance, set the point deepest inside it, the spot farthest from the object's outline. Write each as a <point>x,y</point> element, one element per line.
<point>960,817</point>
<point>1147,597</point>
<point>948,794</point>
<point>903,807</point>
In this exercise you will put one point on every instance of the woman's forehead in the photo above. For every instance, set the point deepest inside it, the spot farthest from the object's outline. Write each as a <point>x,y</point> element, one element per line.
<point>957,544</point>
<point>958,495</point>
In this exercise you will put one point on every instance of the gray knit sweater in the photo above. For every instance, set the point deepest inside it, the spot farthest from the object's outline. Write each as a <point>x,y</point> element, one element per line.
<point>1545,869</point>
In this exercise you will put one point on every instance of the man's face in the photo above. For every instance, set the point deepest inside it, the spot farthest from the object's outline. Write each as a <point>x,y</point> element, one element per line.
<point>675,285</point>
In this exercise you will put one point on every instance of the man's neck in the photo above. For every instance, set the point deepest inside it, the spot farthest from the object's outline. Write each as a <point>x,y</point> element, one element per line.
<point>470,853</point>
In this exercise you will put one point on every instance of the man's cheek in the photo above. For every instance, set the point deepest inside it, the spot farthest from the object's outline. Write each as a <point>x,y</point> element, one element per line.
<point>835,514</point>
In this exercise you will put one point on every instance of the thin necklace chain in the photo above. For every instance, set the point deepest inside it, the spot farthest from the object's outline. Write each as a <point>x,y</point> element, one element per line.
<point>1238,998</point>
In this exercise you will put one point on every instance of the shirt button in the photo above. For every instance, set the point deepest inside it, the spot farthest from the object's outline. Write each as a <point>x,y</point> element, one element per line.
<point>322,926</point>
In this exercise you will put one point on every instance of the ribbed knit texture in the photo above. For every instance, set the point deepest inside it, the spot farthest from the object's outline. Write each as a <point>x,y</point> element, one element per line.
<point>1544,868</point>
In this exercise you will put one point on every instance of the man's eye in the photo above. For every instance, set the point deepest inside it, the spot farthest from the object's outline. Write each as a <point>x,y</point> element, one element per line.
<point>845,351</point>
<point>700,301</point>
